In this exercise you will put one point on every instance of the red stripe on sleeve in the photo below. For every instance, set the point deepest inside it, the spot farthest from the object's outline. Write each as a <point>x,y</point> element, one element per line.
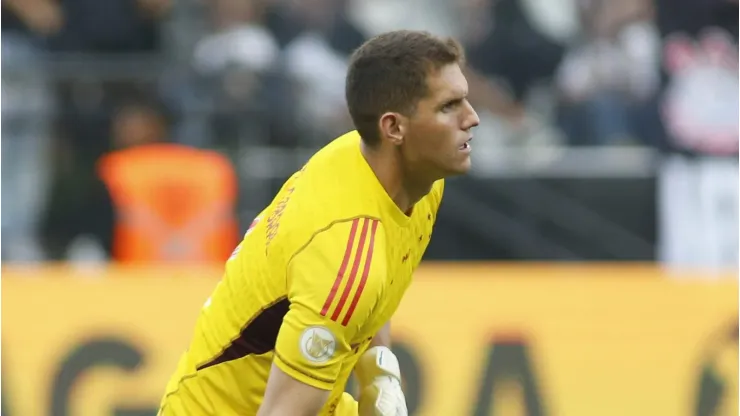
<point>353,273</point>
<point>365,274</point>
<point>342,268</point>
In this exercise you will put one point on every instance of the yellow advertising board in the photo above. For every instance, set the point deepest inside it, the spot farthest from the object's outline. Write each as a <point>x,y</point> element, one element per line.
<point>473,340</point>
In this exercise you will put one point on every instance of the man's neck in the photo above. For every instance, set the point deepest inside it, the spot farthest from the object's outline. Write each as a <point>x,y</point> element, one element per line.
<point>404,190</point>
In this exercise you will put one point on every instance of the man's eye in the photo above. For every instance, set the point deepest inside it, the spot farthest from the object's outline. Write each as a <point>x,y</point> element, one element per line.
<point>450,106</point>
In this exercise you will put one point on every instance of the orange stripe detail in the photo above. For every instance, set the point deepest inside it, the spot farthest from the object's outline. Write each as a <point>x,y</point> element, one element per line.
<point>365,274</point>
<point>353,273</point>
<point>342,268</point>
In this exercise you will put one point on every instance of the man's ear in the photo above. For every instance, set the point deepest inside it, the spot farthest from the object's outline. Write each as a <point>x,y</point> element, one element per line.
<point>392,126</point>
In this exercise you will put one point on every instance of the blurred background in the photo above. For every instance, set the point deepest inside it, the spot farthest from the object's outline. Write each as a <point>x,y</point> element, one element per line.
<point>149,131</point>
<point>609,129</point>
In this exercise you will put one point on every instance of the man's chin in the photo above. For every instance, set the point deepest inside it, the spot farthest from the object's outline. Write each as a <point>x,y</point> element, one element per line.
<point>460,168</point>
<point>465,165</point>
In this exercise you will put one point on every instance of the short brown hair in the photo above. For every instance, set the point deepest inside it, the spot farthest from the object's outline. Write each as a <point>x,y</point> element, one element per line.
<point>389,73</point>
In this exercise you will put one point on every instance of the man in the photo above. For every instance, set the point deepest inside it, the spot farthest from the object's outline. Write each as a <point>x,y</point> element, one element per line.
<point>173,203</point>
<point>308,294</point>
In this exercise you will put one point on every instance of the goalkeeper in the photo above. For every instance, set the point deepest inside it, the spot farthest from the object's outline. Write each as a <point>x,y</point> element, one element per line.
<point>307,297</point>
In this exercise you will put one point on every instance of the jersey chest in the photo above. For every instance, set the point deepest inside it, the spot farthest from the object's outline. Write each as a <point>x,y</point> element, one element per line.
<point>405,248</point>
<point>406,245</point>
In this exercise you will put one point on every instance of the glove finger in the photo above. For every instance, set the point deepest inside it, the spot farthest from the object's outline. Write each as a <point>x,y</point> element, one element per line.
<point>401,409</point>
<point>384,403</point>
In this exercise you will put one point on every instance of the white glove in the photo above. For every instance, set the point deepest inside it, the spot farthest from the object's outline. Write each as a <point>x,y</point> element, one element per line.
<point>379,377</point>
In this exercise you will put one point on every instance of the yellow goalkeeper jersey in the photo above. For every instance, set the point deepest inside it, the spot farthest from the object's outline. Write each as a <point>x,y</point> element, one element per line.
<point>317,274</point>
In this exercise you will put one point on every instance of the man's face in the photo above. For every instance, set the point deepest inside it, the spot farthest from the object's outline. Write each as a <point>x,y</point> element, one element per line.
<point>436,140</point>
<point>134,126</point>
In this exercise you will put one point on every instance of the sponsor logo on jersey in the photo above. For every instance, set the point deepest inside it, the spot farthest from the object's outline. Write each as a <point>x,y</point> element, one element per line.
<point>317,344</point>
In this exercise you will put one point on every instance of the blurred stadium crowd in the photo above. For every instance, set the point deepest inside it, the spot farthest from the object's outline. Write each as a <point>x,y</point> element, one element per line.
<point>261,81</point>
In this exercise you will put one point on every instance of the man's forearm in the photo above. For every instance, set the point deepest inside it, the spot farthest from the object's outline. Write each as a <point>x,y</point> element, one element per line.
<point>383,337</point>
<point>286,396</point>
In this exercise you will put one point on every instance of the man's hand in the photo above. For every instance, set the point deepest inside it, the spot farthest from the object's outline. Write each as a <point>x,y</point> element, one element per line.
<point>379,376</point>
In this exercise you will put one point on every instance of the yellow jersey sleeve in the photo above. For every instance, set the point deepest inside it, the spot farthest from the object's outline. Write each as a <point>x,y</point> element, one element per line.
<point>334,284</point>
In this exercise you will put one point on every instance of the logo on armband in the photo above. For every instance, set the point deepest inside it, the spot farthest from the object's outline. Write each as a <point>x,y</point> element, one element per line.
<point>317,344</point>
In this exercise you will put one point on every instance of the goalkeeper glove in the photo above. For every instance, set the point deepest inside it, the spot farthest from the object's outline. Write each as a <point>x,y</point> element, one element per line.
<point>379,377</point>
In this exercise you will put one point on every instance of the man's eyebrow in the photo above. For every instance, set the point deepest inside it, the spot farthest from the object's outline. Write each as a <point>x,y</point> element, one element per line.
<point>456,96</point>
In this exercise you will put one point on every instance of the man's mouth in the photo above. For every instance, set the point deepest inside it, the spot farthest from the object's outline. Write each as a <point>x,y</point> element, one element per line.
<point>466,145</point>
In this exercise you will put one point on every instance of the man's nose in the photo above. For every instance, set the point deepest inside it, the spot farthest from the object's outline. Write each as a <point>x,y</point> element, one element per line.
<point>471,118</point>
